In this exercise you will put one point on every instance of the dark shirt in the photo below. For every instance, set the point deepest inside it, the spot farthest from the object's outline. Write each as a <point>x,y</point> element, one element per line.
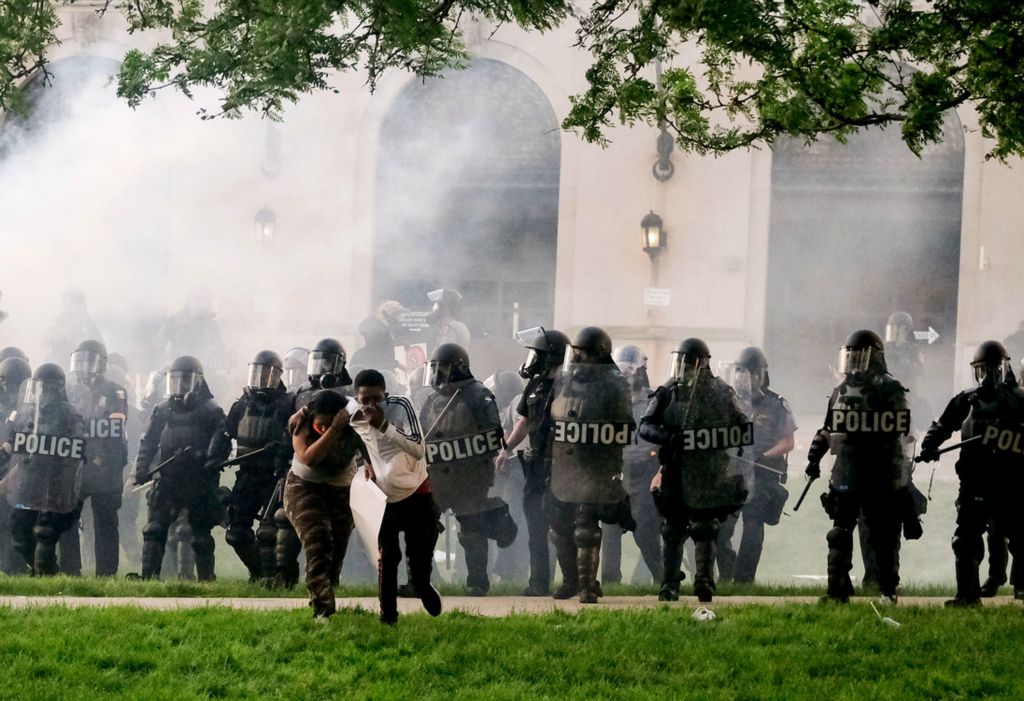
<point>535,406</point>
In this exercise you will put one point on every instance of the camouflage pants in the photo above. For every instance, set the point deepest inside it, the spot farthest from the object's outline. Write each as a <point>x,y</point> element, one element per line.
<point>323,520</point>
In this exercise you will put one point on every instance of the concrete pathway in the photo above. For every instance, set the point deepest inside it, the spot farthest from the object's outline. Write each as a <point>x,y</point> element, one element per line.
<point>493,606</point>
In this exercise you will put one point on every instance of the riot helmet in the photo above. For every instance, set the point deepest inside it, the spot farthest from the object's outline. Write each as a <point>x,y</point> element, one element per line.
<point>505,386</point>
<point>446,301</point>
<point>991,364</point>
<point>899,328</point>
<point>449,363</point>
<point>265,371</point>
<point>326,365</point>
<point>546,350</point>
<point>592,345</point>
<point>632,362</point>
<point>184,377</point>
<point>295,361</point>
<point>688,360</point>
<point>863,351</point>
<point>753,360</point>
<point>13,374</point>
<point>88,360</point>
<point>12,352</point>
<point>46,388</point>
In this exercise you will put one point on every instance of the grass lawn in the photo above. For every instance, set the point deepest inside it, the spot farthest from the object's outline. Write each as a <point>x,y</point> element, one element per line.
<point>749,652</point>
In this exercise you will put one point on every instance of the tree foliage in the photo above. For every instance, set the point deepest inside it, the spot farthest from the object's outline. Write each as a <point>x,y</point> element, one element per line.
<point>719,74</point>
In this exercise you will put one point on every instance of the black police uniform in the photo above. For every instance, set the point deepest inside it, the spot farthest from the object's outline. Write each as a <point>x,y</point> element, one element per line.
<point>535,406</point>
<point>180,428</point>
<point>103,405</point>
<point>258,420</point>
<point>990,475</point>
<point>773,420</point>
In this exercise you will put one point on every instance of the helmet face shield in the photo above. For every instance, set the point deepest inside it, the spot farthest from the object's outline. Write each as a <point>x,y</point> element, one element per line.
<point>438,374</point>
<point>991,375</point>
<point>41,393</point>
<point>738,377</point>
<point>294,377</point>
<point>573,356</point>
<point>685,367</point>
<point>263,376</point>
<point>321,363</point>
<point>86,363</point>
<point>533,365</point>
<point>854,360</point>
<point>181,382</point>
<point>532,338</point>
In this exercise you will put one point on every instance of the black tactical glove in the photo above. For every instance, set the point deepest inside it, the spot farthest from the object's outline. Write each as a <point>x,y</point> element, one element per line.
<point>813,470</point>
<point>819,446</point>
<point>928,453</point>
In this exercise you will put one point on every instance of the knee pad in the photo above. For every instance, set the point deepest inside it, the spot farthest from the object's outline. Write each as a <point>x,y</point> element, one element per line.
<point>266,534</point>
<point>839,538</point>
<point>703,530</point>
<point>239,537</point>
<point>587,535</point>
<point>45,533</point>
<point>968,548</point>
<point>281,519</point>
<point>154,530</point>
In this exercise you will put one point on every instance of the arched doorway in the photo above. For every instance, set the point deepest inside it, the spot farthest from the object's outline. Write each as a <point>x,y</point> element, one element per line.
<point>858,231</point>
<point>467,197</point>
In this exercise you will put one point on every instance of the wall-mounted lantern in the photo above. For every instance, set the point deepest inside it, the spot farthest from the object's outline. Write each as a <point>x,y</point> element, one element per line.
<point>266,221</point>
<point>653,232</point>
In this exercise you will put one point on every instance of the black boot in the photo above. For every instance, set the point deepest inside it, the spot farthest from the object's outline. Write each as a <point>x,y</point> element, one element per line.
<point>152,558</point>
<point>474,545</point>
<point>202,546</point>
<point>565,552</point>
<point>968,590</point>
<point>840,562</point>
<point>672,563</point>
<point>704,566</point>
<point>587,563</point>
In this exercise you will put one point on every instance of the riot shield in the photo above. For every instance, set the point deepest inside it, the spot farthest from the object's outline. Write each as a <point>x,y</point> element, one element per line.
<point>591,423</point>
<point>48,451</point>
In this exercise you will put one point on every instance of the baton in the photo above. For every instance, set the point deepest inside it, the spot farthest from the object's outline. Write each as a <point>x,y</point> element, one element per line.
<point>159,467</point>
<point>803,494</point>
<point>952,447</point>
<point>242,458</point>
<point>269,508</point>
<point>757,464</point>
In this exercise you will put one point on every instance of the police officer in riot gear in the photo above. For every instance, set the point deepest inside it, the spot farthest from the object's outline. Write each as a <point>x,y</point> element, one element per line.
<point>988,467</point>
<point>294,364</point>
<point>462,436</point>
<point>14,372</point>
<point>641,465</point>
<point>177,438</point>
<point>591,423</point>
<point>774,428</point>
<point>257,421</point>
<point>866,428</point>
<point>47,447</point>
<point>445,320</point>
<point>696,418</point>
<point>326,368</point>
<point>544,359</point>
<point>104,406</point>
